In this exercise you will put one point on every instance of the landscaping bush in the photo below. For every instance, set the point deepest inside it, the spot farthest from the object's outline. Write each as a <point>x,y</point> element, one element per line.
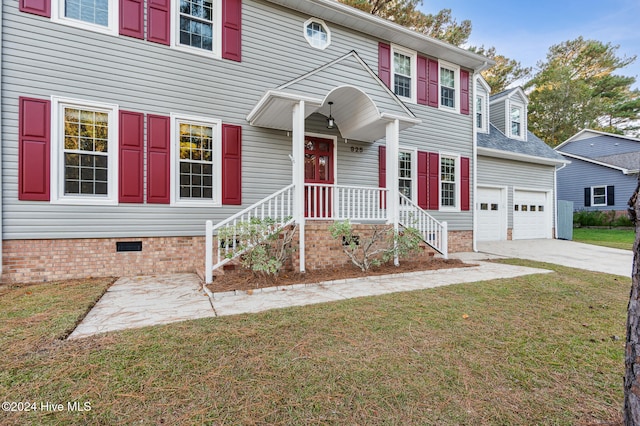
<point>600,218</point>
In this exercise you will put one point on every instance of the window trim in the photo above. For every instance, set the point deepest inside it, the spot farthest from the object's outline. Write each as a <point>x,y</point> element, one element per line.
<point>414,72</point>
<point>523,112</point>
<point>175,199</point>
<point>57,15</point>
<point>457,182</point>
<point>323,25</point>
<point>593,196</point>
<point>57,144</point>
<point>414,171</point>
<point>456,76</point>
<point>216,51</point>
<point>485,110</point>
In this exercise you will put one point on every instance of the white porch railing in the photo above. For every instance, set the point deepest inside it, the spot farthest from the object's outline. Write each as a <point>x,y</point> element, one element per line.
<point>433,232</point>
<point>276,210</point>
<point>339,202</point>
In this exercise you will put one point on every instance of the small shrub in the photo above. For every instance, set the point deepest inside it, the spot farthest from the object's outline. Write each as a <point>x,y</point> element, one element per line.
<point>599,218</point>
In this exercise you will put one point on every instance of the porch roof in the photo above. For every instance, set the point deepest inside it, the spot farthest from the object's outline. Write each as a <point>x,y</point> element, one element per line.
<point>361,110</point>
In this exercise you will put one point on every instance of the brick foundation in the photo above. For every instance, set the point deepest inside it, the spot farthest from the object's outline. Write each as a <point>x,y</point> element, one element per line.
<point>52,260</point>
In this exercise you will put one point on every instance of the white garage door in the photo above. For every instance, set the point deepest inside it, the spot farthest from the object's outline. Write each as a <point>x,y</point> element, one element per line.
<point>491,215</point>
<point>530,215</point>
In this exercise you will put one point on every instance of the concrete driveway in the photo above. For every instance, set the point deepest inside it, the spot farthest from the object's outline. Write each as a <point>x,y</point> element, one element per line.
<point>566,253</point>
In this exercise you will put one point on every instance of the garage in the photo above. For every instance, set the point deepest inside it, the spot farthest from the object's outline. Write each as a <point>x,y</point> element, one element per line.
<point>531,215</point>
<point>491,210</point>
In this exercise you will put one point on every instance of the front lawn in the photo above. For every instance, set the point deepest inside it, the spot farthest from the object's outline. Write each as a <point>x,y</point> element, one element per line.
<point>540,349</point>
<point>616,238</point>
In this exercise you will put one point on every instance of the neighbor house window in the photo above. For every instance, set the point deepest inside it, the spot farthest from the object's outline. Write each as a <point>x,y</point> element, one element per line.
<point>599,196</point>
<point>404,71</point>
<point>405,174</point>
<point>97,15</point>
<point>448,182</point>
<point>86,143</point>
<point>317,33</point>
<point>196,153</point>
<point>196,24</point>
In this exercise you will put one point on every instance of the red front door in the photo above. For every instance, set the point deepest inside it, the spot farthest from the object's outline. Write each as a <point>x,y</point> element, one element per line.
<point>318,169</point>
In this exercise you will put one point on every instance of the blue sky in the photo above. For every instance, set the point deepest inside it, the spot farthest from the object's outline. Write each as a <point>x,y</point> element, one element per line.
<point>524,30</point>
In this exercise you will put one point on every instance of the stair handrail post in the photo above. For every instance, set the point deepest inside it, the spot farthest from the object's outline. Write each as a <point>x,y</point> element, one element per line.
<point>445,240</point>
<point>208,255</point>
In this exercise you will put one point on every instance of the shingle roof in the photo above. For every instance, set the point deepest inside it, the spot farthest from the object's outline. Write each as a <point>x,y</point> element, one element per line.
<point>502,94</point>
<point>533,146</point>
<point>628,160</point>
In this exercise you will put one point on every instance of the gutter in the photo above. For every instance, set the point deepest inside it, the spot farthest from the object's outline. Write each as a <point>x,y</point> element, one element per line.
<point>555,197</point>
<point>474,219</point>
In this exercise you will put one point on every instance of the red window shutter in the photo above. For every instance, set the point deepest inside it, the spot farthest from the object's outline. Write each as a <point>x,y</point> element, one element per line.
<point>36,7</point>
<point>423,179</point>
<point>34,149</point>
<point>382,173</point>
<point>158,159</point>
<point>464,184</point>
<point>158,21</point>
<point>433,181</point>
<point>231,164</point>
<point>131,18</point>
<point>232,30</point>
<point>130,173</point>
<point>464,92</point>
<point>432,76</point>
<point>423,81</point>
<point>384,63</point>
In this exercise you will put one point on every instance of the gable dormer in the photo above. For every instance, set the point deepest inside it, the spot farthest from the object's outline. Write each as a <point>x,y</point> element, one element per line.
<point>509,113</point>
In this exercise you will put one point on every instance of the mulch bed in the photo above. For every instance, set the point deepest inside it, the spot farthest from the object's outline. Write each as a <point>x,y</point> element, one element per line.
<point>245,280</point>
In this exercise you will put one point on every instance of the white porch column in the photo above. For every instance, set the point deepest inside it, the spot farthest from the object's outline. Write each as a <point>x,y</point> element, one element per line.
<point>297,139</point>
<point>393,197</point>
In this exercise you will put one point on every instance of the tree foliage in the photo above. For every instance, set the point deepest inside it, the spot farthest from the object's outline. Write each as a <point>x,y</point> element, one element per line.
<point>576,88</point>
<point>405,12</point>
<point>505,72</point>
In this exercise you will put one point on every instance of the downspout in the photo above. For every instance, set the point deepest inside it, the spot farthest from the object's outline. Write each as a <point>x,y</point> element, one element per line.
<point>555,199</point>
<point>474,219</point>
<point>1,169</point>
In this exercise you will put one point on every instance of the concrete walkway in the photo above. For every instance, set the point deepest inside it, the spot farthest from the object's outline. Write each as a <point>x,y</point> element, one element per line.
<point>566,253</point>
<point>151,300</point>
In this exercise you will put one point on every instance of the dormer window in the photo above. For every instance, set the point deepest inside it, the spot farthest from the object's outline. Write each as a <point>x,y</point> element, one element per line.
<point>516,121</point>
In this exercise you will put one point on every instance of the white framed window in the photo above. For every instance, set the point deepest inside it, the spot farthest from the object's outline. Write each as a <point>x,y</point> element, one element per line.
<point>407,182</point>
<point>84,152</point>
<point>449,182</point>
<point>317,33</point>
<point>516,120</point>
<point>481,113</point>
<point>403,73</point>
<point>448,84</point>
<point>197,26</point>
<point>94,15</point>
<point>598,196</point>
<point>195,160</point>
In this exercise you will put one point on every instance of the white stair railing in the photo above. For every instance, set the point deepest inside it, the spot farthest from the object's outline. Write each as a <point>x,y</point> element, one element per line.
<point>433,232</point>
<point>269,215</point>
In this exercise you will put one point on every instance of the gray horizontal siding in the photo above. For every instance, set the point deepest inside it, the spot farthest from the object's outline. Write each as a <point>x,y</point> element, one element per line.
<point>514,174</point>
<point>600,146</point>
<point>42,58</point>
<point>581,174</point>
<point>497,115</point>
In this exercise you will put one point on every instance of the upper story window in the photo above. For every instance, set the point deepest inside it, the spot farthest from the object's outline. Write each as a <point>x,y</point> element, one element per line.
<point>96,15</point>
<point>481,113</point>
<point>196,160</point>
<point>403,73</point>
<point>516,121</point>
<point>85,144</point>
<point>449,81</point>
<point>317,33</point>
<point>196,24</point>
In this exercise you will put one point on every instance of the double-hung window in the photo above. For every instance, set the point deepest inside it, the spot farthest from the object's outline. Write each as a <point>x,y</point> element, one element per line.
<point>449,182</point>
<point>515,117</point>
<point>196,24</point>
<point>481,113</point>
<point>96,15</point>
<point>449,82</point>
<point>196,160</point>
<point>405,174</point>
<point>599,196</point>
<point>404,73</point>
<point>85,152</point>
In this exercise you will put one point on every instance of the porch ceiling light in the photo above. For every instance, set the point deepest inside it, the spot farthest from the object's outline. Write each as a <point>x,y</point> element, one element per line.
<point>330,121</point>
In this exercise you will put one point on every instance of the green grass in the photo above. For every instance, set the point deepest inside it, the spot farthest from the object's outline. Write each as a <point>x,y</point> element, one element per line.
<point>530,350</point>
<point>616,238</point>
